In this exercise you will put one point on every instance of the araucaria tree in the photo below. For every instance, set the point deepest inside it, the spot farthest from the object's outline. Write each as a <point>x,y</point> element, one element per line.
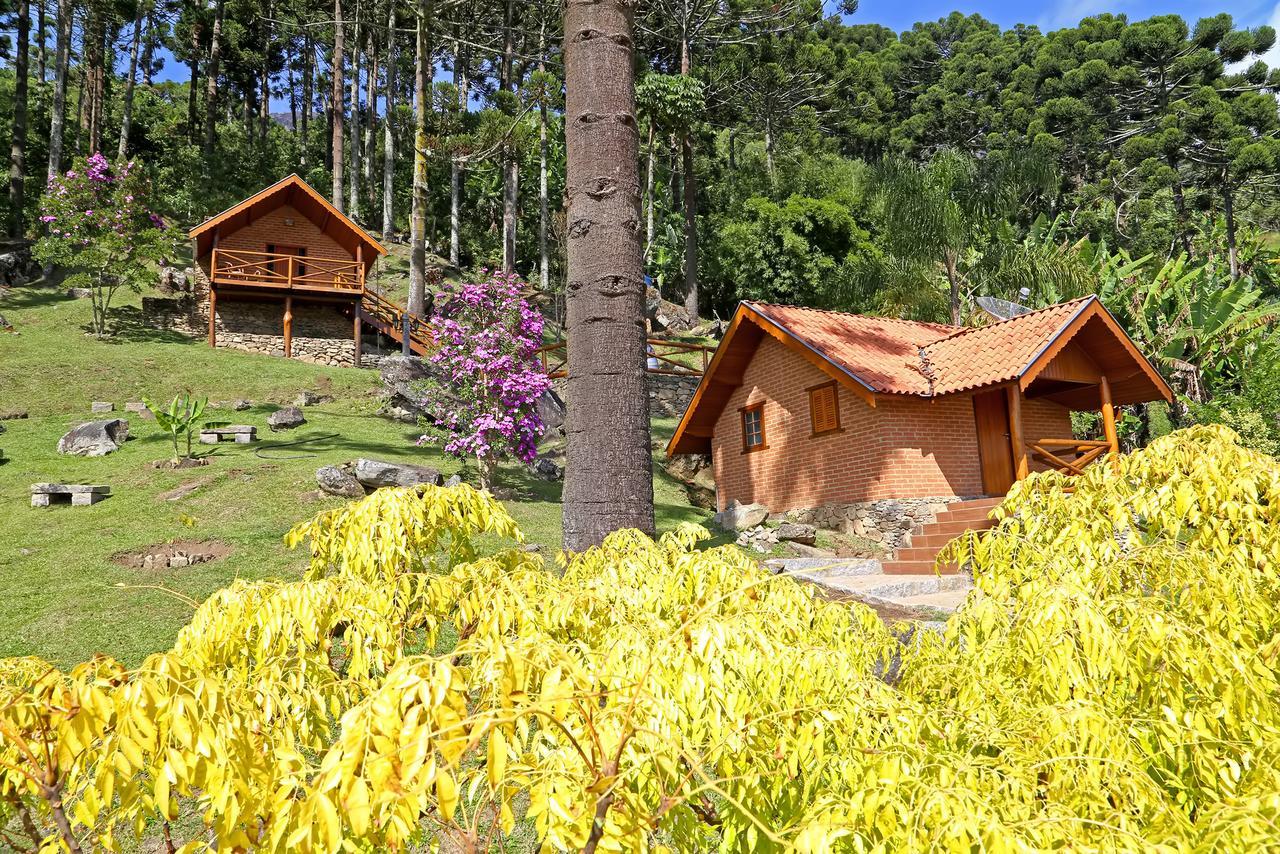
<point>101,229</point>
<point>489,378</point>
<point>608,480</point>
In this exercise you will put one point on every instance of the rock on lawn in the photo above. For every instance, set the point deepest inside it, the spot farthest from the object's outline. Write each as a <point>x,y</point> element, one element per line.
<point>95,439</point>
<point>286,419</point>
<point>338,481</point>
<point>378,473</point>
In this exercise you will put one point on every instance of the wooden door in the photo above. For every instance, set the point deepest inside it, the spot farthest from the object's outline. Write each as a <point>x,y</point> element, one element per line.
<point>991,416</point>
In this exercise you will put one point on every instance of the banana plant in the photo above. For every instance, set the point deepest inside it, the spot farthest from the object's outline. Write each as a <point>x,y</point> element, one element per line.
<point>179,420</point>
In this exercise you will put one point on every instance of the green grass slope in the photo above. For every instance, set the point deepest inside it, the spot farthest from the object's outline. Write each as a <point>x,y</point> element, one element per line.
<point>65,596</point>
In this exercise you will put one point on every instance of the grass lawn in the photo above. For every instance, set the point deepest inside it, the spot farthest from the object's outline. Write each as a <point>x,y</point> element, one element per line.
<point>66,598</point>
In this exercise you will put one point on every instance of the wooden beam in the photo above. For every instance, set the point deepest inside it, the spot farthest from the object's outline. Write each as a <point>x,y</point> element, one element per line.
<point>288,327</point>
<point>213,316</point>
<point>1108,416</point>
<point>356,332</point>
<point>1021,468</point>
<point>360,264</point>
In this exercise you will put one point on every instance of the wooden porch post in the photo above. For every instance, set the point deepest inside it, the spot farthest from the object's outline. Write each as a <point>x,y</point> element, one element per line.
<point>1018,444</point>
<point>1108,416</point>
<point>288,327</point>
<point>360,265</point>
<point>213,316</point>
<point>356,332</point>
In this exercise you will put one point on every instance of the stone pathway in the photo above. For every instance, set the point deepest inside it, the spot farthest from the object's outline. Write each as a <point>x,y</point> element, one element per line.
<point>864,579</point>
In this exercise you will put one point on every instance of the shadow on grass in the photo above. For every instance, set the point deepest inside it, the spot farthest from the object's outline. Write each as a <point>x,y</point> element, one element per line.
<point>128,327</point>
<point>32,296</point>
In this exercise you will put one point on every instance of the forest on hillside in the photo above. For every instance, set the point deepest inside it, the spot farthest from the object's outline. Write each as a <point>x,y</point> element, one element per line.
<point>789,151</point>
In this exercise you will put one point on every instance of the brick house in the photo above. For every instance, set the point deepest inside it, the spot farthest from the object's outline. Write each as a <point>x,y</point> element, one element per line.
<point>285,273</point>
<point>802,408</point>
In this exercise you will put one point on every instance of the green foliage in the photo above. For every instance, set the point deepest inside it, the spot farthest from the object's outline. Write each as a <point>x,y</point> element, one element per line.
<point>179,420</point>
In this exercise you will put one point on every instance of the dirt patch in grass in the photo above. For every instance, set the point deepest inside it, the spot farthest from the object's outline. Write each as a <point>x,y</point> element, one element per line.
<point>176,555</point>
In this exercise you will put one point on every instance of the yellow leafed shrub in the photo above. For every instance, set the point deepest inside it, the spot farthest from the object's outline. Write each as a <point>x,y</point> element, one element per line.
<point>1111,685</point>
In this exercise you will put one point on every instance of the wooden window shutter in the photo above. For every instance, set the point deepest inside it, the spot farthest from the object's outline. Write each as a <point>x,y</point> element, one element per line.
<point>824,410</point>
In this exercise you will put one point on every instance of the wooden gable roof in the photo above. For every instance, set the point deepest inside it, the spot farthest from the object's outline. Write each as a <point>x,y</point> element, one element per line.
<point>302,197</point>
<point>874,356</point>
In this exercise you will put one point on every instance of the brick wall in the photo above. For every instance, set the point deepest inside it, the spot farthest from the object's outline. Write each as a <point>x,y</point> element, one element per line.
<point>271,229</point>
<point>906,447</point>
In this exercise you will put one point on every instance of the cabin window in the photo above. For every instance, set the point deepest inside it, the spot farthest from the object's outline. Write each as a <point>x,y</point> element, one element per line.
<point>824,408</point>
<point>753,428</point>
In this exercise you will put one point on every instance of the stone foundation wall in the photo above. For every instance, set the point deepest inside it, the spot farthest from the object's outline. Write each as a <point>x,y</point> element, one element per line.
<point>670,395</point>
<point>887,521</point>
<point>321,334</point>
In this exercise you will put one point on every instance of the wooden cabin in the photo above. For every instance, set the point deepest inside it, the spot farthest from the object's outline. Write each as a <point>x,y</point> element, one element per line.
<point>802,408</point>
<point>287,258</point>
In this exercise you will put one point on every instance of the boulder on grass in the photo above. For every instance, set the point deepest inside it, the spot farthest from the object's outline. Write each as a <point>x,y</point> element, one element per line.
<point>374,474</point>
<point>286,419</point>
<point>739,517</point>
<point>311,398</point>
<point>794,532</point>
<point>95,439</point>
<point>338,481</point>
<point>546,469</point>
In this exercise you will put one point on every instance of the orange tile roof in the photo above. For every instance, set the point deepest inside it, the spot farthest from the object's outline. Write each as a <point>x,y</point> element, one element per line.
<point>892,356</point>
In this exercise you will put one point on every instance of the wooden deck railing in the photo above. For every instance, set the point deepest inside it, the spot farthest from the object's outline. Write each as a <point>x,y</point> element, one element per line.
<point>1069,456</point>
<point>279,270</point>
<point>672,358</point>
<point>390,319</point>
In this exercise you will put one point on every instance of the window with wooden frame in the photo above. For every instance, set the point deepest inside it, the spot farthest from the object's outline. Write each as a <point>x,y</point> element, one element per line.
<point>824,408</point>
<point>753,428</point>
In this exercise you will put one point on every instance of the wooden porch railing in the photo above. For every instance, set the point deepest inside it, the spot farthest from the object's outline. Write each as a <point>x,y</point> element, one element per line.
<point>279,270</point>
<point>389,318</point>
<point>670,358</point>
<point>1069,456</point>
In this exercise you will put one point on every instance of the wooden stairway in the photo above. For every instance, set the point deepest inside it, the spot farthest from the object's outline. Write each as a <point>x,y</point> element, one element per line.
<point>387,317</point>
<point>928,540</point>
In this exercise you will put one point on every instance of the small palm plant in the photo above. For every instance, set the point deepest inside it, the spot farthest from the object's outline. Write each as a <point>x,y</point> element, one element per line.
<point>179,420</point>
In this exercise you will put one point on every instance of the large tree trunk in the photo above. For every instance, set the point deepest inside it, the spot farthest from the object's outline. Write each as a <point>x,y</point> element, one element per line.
<point>126,117</point>
<point>953,287</point>
<point>18,146</point>
<point>544,261</point>
<point>211,87</point>
<point>308,98</point>
<point>94,78</point>
<point>649,187</point>
<point>460,81</point>
<point>608,479</point>
<point>264,85</point>
<point>367,144</point>
<point>1229,213</point>
<point>193,118</point>
<point>388,129</point>
<point>58,110</point>
<point>690,206</point>
<point>337,112</point>
<point>353,161</point>
<point>41,36</point>
<point>510,166</point>
<point>418,214</point>
<point>149,45</point>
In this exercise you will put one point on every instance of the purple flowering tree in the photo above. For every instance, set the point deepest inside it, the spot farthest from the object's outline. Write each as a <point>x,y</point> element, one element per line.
<point>98,227</point>
<point>488,375</point>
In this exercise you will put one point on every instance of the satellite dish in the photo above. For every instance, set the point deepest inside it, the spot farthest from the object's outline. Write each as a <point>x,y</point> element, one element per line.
<point>1001,309</point>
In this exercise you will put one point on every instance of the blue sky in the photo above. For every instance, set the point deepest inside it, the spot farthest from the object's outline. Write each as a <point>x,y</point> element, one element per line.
<point>900,15</point>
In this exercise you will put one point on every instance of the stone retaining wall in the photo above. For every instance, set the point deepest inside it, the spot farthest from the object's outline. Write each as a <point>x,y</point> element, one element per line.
<point>886,522</point>
<point>670,395</point>
<point>321,334</point>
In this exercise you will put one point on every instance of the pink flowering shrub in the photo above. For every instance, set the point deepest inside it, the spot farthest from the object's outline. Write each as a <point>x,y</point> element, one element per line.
<point>488,375</point>
<point>99,228</point>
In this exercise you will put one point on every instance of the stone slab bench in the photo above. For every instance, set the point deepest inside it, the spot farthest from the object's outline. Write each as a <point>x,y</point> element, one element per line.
<point>240,433</point>
<point>77,494</point>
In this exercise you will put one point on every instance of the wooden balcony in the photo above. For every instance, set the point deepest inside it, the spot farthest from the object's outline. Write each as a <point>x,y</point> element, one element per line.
<point>283,272</point>
<point>1068,456</point>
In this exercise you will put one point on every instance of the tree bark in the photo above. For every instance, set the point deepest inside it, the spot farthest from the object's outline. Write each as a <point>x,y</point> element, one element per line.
<point>953,286</point>
<point>42,50</point>
<point>193,118</point>
<point>148,44</point>
<point>544,261</point>
<point>510,166</point>
<point>461,83</point>
<point>690,204</point>
<point>264,85</point>
<point>388,129</point>
<point>1229,213</point>
<point>609,479</point>
<point>353,161</point>
<point>211,87</point>
<point>337,112</point>
<point>370,113</point>
<point>18,146</point>
<point>418,214</point>
<point>649,187</point>
<point>308,98</point>
<point>126,117</point>
<point>58,110</point>
<point>93,78</point>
